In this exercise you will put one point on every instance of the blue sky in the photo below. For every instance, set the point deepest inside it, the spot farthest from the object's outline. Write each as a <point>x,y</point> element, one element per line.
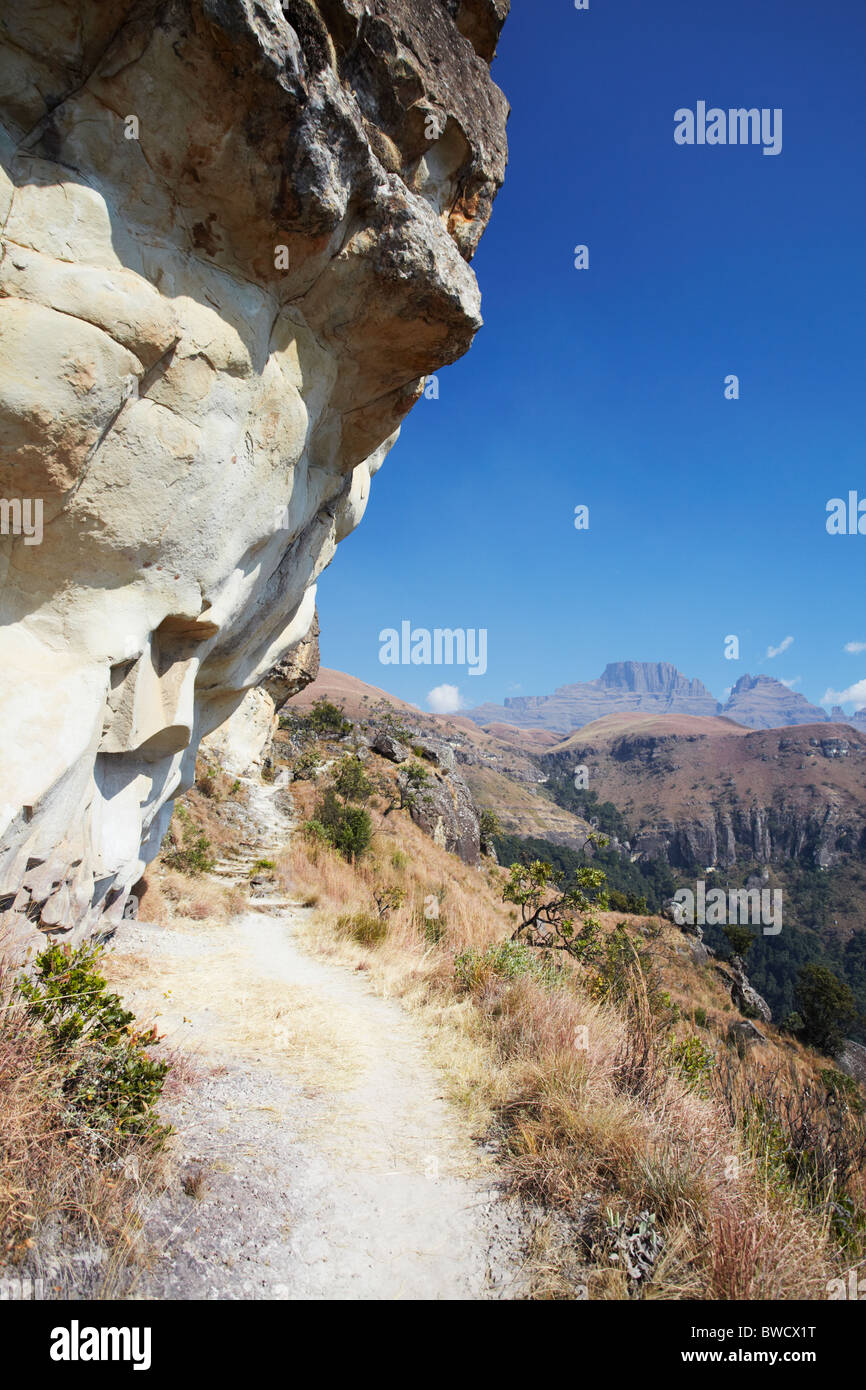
<point>605,387</point>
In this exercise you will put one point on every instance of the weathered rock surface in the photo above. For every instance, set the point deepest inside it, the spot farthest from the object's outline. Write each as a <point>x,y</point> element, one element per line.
<point>387,746</point>
<point>235,240</point>
<point>745,996</point>
<point>445,810</point>
<point>240,744</point>
<point>852,1060</point>
<point>746,1033</point>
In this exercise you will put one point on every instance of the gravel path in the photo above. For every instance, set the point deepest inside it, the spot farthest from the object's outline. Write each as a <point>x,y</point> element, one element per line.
<point>316,1155</point>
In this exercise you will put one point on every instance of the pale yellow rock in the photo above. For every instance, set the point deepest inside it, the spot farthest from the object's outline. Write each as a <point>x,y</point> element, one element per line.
<point>229,255</point>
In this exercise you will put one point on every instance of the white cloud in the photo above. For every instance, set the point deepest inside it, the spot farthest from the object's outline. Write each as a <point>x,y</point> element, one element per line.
<point>855,695</point>
<point>855,648</point>
<point>790,684</point>
<point>445,699</point>
<point>782,647</point>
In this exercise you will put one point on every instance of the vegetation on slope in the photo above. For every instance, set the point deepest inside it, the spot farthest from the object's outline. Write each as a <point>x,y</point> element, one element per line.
<point>663,1157</point>
<point>79,1141</point>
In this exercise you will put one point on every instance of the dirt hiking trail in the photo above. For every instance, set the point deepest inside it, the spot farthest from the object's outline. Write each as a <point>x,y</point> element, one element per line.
<point>316,1157</point>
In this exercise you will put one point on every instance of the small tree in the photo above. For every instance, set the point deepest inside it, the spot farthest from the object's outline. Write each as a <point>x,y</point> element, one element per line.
<point>740,939</point>
<point>552,914</point>
<point>383,716</point>
<point>827,1006</point>
<point>327,719</point>
<point>348,828</point>
<point>351,780</point>
<point>489,826</point>
<point>412,783</point>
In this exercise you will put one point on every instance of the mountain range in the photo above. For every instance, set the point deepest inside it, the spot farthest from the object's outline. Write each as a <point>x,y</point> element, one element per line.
<point>756,702</point>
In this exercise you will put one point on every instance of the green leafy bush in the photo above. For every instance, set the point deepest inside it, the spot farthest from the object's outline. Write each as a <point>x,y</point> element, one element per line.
<point>307,765</point>
<point>351,780</point>
<point>348,828</point>
<point>110,1081</point>
<point>740,939</point>
<point>193,855</point>
<point>827,1006</point>
<point>507,959</point>
<point>327,719</point>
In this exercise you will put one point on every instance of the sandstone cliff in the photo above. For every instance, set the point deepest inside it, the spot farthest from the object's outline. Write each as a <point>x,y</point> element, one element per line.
<point>236,237</point>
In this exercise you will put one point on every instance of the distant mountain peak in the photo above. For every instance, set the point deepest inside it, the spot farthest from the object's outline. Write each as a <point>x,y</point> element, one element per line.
<point>763,702</point>
<point>651,677</point>
<point>653,686</point>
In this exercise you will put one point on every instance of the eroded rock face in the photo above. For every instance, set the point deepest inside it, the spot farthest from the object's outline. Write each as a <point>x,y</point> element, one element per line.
<point>235,241</point>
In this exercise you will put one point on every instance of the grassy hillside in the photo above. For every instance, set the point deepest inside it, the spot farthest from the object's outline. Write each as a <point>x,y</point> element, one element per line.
<point>662,1156</point>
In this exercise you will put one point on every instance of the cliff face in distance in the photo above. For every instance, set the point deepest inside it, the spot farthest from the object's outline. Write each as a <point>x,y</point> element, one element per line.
<point>236,238</point>
<point>700,792</point>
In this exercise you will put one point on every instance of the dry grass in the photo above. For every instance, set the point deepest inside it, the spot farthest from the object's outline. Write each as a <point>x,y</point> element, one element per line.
<point>594,1124</point>
<point>166,895</point>
<point>70,1207</point>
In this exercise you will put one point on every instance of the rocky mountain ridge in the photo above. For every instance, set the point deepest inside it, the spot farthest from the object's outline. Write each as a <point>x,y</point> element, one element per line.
<point>756,702</point>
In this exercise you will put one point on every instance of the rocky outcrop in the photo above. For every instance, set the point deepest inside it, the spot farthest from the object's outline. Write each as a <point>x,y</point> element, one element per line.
<point>235,241</point>
<point>744,1034</point>
<point>387,746</point>
<point>852,1060</point>
<point>745,996</point>
<point>240,745</point>
<point>444,810</point>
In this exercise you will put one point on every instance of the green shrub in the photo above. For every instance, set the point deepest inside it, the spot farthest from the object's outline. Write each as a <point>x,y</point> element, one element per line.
<point>699,1016</point>
<point>351,781</point>
<point>193,856</point>
<point>110,1081</point>
<point>327,719</point>
<point>348,828</point>
<point>693,1060</point>
<point>315,833</point>
<point>740,939</point>
<point>507,959</point>
<point>262,866</point>
<point>399,860</point>
<point>306,765</point>
<point>827,1006</point>
<point>792,1023</point>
